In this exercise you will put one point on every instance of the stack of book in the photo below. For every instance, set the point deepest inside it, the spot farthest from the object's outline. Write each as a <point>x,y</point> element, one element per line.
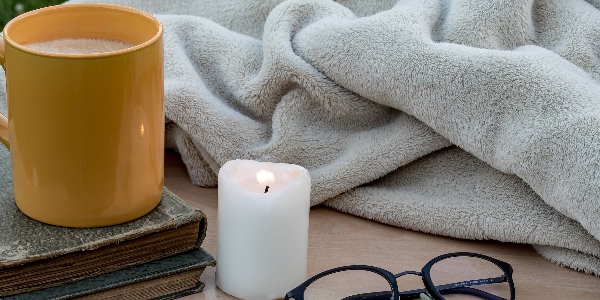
<point>157,256</point>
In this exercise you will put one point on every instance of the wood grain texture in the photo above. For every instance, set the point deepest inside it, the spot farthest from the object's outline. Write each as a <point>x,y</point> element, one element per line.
<point>337,239</point>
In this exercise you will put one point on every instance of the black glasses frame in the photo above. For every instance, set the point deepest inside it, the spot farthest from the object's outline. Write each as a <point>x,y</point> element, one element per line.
<point>435,292</point>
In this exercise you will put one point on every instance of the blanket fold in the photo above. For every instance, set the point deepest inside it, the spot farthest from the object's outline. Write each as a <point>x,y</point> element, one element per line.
<point>466,118</point>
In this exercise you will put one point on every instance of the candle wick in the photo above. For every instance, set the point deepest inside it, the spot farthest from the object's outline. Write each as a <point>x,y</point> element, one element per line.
<point>266,189</point>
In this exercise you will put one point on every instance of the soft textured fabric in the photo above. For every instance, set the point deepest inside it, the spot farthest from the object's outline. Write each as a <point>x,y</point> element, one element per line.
<point>473,119</point>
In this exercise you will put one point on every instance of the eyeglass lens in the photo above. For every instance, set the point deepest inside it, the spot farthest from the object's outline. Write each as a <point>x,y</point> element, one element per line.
<point>354,282</point>
<point>468,273</point>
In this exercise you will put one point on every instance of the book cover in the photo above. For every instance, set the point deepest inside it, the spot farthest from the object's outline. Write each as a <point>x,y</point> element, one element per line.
<point>167,278</point>
<point>34,255</point>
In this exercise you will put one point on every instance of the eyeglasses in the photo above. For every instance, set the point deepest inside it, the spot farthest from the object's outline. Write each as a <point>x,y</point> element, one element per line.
<point>448,276</point>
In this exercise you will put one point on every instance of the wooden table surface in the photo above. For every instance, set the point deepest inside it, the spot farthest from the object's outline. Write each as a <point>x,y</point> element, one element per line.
<point>337,239</point>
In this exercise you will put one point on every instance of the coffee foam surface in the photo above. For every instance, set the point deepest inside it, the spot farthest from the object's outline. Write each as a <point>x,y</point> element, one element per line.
<point>79,46</point>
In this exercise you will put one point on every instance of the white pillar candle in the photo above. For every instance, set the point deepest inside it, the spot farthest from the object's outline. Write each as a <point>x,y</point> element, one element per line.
<point>262,233</point>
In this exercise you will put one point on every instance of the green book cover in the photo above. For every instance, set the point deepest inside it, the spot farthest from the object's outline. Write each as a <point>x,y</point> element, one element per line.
<point>129,282</point>
<point>34,255</point>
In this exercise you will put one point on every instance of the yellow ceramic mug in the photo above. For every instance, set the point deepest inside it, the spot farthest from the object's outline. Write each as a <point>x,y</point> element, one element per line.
<point>85,131</point>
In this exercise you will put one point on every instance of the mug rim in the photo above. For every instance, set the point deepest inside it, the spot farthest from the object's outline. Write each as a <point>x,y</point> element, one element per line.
<point>135,48</point>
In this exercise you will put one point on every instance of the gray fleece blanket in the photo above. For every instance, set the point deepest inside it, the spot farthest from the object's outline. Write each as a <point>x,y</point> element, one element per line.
<point>472,119</point>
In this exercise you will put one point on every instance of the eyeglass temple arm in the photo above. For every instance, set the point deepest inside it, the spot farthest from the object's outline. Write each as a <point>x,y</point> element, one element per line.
<point>416,294</point>
<point>471,283</point>
<point>452,288</point>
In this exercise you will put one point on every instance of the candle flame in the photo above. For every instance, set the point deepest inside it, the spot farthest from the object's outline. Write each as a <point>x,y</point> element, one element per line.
<point>264,177</point>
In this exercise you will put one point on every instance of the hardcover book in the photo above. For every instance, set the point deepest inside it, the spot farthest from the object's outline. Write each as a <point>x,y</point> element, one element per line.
<point>167,278</point>
<point>34,255</point>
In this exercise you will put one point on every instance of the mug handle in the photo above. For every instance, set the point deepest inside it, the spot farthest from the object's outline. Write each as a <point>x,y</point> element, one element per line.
<point>3,119</point>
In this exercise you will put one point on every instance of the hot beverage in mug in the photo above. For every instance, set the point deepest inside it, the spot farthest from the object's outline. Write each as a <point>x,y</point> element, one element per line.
<point>79,46</point>
<point>85,129</point>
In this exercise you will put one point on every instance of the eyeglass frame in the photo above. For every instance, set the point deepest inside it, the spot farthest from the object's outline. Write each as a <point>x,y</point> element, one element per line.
<point>433,291</point>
